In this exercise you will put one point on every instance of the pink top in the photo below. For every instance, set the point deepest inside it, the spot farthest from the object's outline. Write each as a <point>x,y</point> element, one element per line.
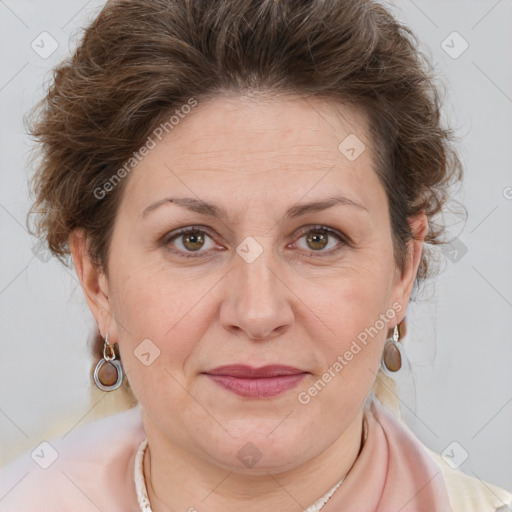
<point>94,470</point>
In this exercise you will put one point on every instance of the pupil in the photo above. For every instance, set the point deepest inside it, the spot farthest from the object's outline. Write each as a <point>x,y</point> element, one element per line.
<point>318,238</point>
<point>194,239</point>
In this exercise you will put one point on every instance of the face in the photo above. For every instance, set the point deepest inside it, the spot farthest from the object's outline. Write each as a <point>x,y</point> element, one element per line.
<point>268,282</point>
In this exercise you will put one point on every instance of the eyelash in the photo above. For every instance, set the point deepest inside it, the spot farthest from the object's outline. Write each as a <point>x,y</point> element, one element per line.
<point>198,229</point>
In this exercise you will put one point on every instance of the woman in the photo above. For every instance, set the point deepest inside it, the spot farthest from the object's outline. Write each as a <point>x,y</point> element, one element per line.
<point>246,189</point>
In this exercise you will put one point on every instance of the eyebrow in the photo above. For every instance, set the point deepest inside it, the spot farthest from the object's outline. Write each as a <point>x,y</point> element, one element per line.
<point>212,210</point>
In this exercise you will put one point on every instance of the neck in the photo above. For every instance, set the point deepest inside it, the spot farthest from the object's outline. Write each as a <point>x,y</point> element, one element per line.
<point>176,480</point>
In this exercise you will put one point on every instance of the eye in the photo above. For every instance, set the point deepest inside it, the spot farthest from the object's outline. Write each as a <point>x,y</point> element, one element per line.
<point>192,239</point>
<point>189,240</point>
<point>318,238</point>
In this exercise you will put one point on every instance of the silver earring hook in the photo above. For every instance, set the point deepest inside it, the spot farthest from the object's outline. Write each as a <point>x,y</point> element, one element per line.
<point>107,346</point>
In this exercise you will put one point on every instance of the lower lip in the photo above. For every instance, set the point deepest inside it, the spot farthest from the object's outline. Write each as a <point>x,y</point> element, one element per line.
<point>264,387</point>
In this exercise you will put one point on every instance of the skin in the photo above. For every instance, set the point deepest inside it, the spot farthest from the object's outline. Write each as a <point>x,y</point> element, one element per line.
<point>291,305</point>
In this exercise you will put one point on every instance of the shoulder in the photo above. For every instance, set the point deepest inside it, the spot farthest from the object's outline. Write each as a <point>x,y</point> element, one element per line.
<point>85,470</point>
<point>465,493</point>
<point>468,494</point>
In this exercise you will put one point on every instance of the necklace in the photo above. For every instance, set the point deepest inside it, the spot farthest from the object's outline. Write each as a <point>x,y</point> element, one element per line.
<point>142,493</point>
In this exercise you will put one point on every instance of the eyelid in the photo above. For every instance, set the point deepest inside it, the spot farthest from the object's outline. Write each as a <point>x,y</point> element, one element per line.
<point>168,236</point>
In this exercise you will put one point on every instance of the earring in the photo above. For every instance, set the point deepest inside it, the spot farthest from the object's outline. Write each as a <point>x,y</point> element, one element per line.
<point>392,355</point>
<point>108,374</point>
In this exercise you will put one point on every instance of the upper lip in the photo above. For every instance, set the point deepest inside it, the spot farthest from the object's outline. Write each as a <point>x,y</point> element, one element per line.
<point>249,372</point>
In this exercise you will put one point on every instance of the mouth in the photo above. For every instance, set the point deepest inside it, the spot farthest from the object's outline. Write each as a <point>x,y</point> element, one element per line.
<point>263,382</point>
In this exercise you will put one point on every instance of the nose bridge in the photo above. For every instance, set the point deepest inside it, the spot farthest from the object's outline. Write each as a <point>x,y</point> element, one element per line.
<point>255,263</point>
<point>260,304</point>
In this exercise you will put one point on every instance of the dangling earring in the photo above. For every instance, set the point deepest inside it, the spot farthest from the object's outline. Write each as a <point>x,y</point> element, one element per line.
<point>392,355</point>
<point>108,374</point>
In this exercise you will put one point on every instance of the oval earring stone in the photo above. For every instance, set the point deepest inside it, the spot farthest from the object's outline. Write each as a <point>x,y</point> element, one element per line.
<point>107,374</point>
<point>392,357</point>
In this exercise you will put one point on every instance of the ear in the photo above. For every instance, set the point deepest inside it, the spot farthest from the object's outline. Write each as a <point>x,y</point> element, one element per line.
<point>94,283</point>
<point>404,280</point>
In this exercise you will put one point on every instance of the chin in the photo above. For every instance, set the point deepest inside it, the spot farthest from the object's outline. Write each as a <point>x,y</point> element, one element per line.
<point>262,449</point>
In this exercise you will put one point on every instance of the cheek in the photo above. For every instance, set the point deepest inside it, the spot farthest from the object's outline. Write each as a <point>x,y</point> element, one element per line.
<point>155,337</point>
<point>354,297</point>
<point>149,298</point>
<point>161,314</point>
<point>355,317</point>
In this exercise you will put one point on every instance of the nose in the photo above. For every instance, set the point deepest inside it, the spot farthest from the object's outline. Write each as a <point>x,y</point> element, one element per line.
<point>259,301</point>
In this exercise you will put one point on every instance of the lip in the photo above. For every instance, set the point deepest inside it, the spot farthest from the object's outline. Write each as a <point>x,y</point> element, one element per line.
<point>250,382</point>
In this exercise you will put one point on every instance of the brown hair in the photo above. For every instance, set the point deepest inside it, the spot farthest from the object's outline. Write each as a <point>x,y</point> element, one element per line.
<point>141,59</point>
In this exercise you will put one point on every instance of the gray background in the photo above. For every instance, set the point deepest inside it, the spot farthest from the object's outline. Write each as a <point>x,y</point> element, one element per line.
<point>459,341</point>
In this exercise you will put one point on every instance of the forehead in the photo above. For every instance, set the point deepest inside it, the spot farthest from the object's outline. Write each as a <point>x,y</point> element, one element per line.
<point>287,146</point>
<point>268,125</point>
